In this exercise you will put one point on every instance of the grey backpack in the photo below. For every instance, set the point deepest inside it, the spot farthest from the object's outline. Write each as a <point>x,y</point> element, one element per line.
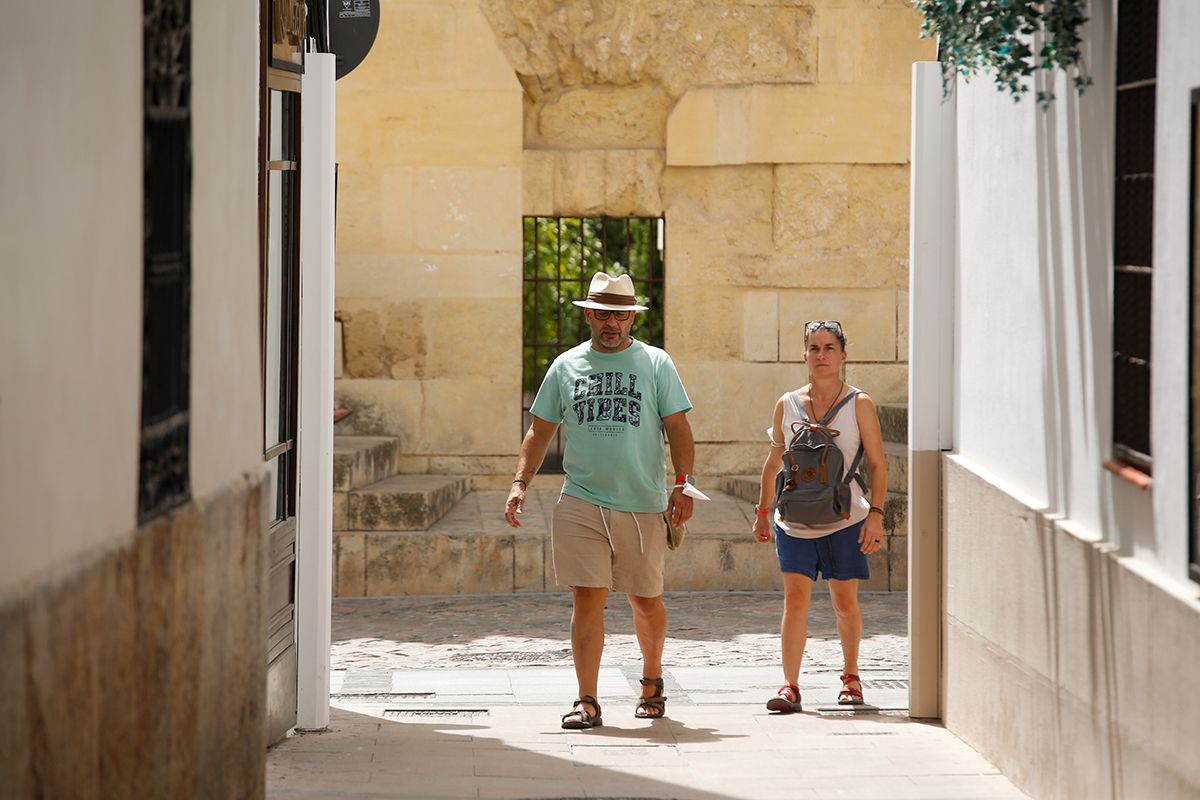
<point>813,488</point>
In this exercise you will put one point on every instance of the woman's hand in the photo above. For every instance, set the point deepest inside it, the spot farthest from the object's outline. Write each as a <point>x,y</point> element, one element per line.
<point>870,538</point>
<point>762,528</point>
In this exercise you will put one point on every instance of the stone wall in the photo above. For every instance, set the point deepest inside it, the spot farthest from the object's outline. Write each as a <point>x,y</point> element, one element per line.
<point>773,139</point>
<point>429,240</point>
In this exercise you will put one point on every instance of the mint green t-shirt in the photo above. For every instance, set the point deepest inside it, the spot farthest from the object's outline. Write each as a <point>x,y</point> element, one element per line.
<point>612,405</point>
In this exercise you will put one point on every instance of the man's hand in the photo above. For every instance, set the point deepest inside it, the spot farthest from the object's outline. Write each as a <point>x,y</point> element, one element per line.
<point>762,528</point>
<point>870,537</point>
<point>679,507</point>
<point>515,505</point>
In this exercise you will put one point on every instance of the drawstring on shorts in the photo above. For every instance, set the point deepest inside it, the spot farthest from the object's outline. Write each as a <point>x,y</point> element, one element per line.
<point>608,532</point>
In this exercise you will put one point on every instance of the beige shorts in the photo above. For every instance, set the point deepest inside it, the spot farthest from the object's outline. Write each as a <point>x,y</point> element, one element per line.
<point>601,548</point>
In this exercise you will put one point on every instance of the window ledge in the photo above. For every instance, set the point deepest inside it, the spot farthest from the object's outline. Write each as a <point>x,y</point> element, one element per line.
<point>1129,474</point>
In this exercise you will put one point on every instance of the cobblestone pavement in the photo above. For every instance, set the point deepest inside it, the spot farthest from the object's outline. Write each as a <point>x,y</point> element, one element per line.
<point>705,629</point>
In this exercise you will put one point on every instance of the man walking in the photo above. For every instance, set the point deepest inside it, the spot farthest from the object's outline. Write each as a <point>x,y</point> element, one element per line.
<point>616,396</point>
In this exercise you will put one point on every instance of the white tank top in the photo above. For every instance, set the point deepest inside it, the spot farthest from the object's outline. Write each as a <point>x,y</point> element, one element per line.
<point>848,440</point>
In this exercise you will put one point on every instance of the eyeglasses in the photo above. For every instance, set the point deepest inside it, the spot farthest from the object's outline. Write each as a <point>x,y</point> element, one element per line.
<point>620,316</point>
<point>818,324</point>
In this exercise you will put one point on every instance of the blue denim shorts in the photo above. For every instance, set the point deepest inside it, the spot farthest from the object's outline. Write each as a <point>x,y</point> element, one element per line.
<point>835,557</point>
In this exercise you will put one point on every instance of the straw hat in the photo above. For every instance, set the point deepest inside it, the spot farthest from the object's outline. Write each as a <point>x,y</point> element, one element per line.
<point>611,293</point>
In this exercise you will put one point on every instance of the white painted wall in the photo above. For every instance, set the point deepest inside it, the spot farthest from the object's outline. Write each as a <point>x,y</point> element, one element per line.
<point>1178,74</point>
<point>226,362</point>
<point>71,271</point>
<point>1034,377</point>
<point>70,279</point>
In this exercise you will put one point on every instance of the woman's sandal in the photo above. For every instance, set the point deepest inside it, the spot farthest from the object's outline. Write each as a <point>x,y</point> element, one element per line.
<point>848,696</point>
<point>786,700</point>
<point>655,706</point>
<point>578,719</point>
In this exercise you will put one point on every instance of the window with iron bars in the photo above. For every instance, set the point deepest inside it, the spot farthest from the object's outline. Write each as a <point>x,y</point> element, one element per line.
<point>561,254</point>
<point>1133,229</point>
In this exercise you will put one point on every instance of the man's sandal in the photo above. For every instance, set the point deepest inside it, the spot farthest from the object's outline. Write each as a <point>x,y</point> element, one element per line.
<point>578,719</point>
<point>786,700</point>
<point>655,706</point>
<point>848,696</point>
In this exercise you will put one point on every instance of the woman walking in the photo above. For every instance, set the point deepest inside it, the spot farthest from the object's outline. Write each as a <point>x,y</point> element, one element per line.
<point>836,551</point>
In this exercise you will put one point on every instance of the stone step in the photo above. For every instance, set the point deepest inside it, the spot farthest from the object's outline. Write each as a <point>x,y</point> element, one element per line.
<point>472,550</point>
<point>404,502</point>
<point>893,420</point>
<point>359,461</point>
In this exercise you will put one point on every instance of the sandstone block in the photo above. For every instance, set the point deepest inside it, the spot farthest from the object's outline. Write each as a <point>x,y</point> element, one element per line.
<point>339,511</point>
<point>425,563</point>
<point>392,126</point>
<point>724,211</point>
<point>893,420</point>
<point>667,42</point>
<point>632,183</point>
<point>730,458</point>
<point>339,364</point>
<point>878,563</point>
<point>422,276</point>
<point>359,461</point>
<point>897,554</point>
<point>359,212</point>
<point>501,466</point>
<point>717,417</point>
<point>420,51</point>
<point>579,183</point>
<point>480,62</point>
<point>895,512</point>
<point>868,317</point>
<point>363,336</point>
<point>902,326</point>
<point>844,224</point>
<point>471,416</point>
<point>397,210</point>
<point>702,324</point>
<point>790,124</point>
<point>529,571</point>
<point>870,45</point>
<point>604,117</point>
<point>733,561</point>
<point>886,383</point>
<point>760,326</point>
<point>381,408</point>
<point>468,209</point>
<point>537,179</point>
<point>405,502</point>
<point>453,355</point>
<point>350,566</point>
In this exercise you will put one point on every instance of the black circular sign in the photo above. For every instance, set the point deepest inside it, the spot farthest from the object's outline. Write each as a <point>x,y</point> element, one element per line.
<point>353,25</point>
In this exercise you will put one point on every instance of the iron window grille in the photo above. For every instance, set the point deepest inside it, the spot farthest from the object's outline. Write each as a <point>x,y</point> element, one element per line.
<point>163,473</point>
<point>1133,229</point>
<point>560,256</point>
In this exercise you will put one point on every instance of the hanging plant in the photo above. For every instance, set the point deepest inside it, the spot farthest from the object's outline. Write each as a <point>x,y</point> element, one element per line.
<point>998,36</point>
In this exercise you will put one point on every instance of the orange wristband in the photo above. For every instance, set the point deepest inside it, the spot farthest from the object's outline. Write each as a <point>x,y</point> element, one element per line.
<point>761,512</point>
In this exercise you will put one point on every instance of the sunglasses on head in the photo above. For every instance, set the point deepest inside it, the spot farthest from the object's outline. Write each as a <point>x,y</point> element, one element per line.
<point>818,324</point>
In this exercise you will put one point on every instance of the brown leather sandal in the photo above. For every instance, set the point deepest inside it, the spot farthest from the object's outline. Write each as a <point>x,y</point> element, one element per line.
<point>848,696</point>
<point>786,700</point>
<point>578,719</point>
<point>655,706</point>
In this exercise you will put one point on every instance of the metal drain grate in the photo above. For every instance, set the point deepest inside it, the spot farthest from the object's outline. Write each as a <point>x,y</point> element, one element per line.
<point>885,683</point>
<point>435,712</point>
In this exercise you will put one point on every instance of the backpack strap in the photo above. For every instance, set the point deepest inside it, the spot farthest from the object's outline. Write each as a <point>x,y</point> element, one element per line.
<point>852,473</point>
<point>833,411</point>
<point>796,404</point>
